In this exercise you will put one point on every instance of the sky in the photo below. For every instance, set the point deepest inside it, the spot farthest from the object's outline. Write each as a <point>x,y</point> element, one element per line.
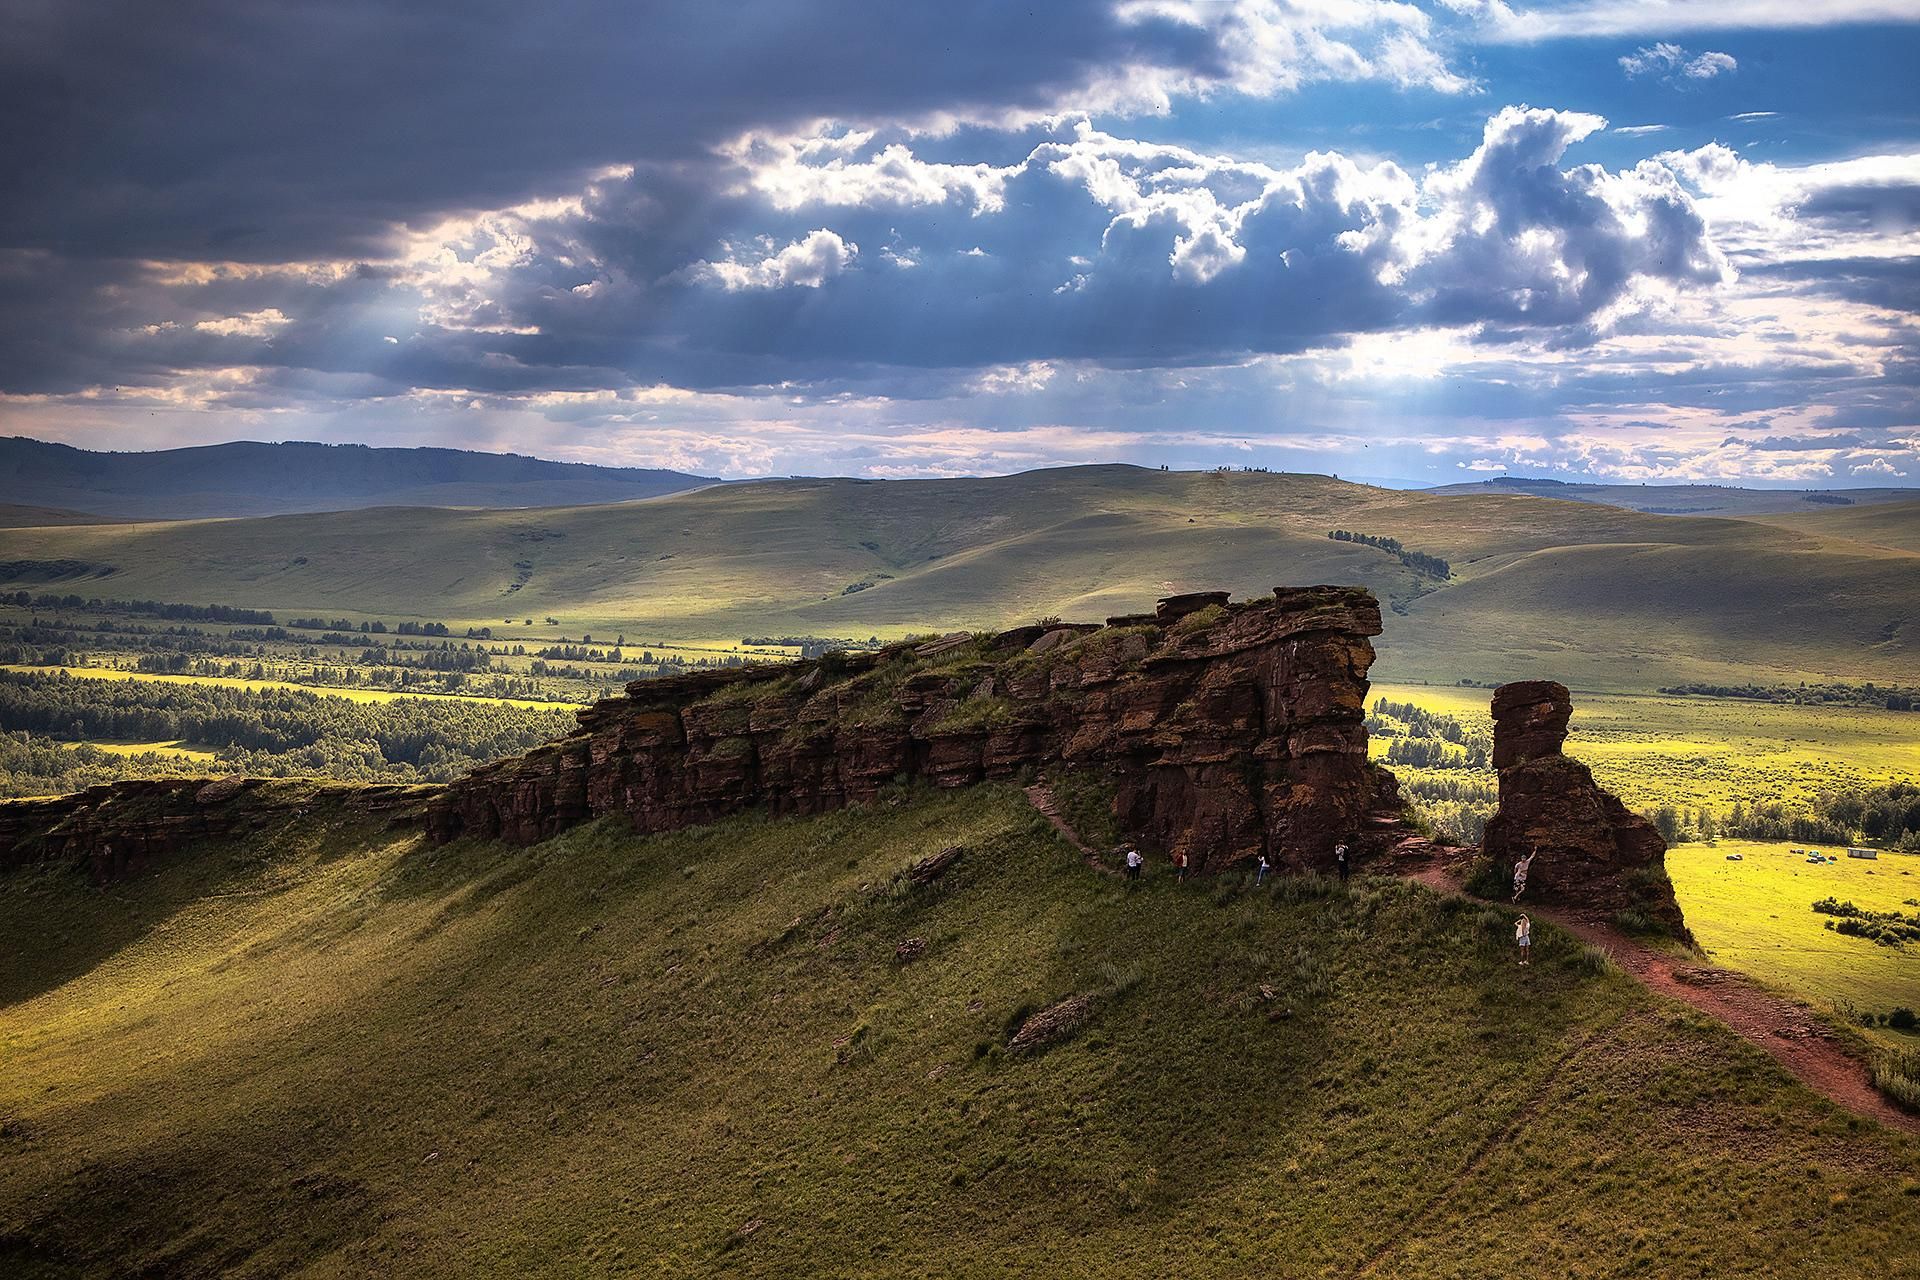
<point>1618,240</point>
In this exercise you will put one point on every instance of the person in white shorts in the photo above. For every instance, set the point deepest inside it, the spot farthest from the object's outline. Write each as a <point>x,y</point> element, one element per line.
<point>1523,934</point>
<point>1520,870</point>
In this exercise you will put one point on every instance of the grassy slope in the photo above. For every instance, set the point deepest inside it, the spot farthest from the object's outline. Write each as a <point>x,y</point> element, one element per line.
<point>1595,594</point>
<point>1756,915</point>
<point>333,1051</point>
<point>1894,525</point>
<point>1692,499</point>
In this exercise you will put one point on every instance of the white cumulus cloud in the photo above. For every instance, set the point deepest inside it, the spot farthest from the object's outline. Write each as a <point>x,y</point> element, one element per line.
<point>808,263</point>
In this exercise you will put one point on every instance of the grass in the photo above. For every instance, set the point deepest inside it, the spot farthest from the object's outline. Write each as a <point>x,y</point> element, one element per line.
<point>351,695</point>
<point>329,1049</point>
<point>1593,594</point>
<point>1756,915</point>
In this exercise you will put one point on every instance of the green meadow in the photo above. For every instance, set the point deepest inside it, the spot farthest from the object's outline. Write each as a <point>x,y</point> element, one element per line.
<point>1656,749</point>
<point>1708,753</point>
<point>1756,915</point>
<point>330,1050</point>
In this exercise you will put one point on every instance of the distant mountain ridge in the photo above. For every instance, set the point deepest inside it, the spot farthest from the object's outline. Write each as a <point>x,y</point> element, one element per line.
<point>1682,499</point>
<point>251,478</point>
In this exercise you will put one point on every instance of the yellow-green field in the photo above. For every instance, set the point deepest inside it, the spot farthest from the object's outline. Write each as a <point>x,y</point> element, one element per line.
<point>175,750</point>
<point>352,695</point>
<point>1756,915</point>
<point>1654,749</point>
<point>1707,753</point>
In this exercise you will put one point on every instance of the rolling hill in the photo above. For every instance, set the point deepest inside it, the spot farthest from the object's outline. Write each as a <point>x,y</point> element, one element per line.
<point>1601,596</point>
<point>327,1049</point>
<point>1684,499</point>
<point>247,478</point>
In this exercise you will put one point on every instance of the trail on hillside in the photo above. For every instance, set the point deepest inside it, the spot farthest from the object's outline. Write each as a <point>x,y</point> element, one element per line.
<point>1041,797</point>
<point>1796,1039</point>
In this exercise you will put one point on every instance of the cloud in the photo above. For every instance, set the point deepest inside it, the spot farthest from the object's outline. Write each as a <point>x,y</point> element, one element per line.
<point>1068,232</point>
<point>1876,467</point>
<point>1502,22</point>
<point>254,324</point>
<point>1670,62</point>
<point>807,263</point>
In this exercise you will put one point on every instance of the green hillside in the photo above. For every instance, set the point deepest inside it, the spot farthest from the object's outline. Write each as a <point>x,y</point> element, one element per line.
<point>1685,499</point>
<point>1597,595</point>
<point>1894,525</point>
<point>333,1051</point>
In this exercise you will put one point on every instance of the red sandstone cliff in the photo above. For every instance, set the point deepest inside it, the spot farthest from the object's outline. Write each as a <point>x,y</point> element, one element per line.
<point>119,829</point>
<point>1228,730</point>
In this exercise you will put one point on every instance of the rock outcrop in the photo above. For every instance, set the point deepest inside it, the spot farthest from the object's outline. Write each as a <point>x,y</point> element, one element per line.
<point>120,829</point>
<point>1226,730</point>
<point>1589,850</point>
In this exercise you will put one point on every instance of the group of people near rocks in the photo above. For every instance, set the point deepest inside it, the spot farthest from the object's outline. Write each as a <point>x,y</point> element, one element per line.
<point>1343,862</point>
<point>1136,863</point>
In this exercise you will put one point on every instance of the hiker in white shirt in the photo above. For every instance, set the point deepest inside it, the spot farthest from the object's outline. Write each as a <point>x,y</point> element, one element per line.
<point>1133,864</point>
<point>1520,870</point>
<point>1523,934</point>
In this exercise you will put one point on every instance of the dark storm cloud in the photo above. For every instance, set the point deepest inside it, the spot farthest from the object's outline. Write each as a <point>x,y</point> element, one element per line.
<point>273,131</point>
<point>1883,207</point>
<point>1893,283</point>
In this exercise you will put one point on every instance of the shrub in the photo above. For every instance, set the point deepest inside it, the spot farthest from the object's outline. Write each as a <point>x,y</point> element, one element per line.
<point>1488,879</point>
<point>1902,1019</point>
<point>1634,920</point>
<point>1897,1075</point>
<point>1595,961</point>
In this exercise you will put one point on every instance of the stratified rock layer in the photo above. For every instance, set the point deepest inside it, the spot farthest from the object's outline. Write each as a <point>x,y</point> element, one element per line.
<point>1227,730</point>
<point>1590,850</point>
<point>119,829</point>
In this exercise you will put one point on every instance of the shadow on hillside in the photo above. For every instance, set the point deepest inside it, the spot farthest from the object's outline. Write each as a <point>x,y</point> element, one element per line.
<point>58,925</point>
<point>165,1211</point>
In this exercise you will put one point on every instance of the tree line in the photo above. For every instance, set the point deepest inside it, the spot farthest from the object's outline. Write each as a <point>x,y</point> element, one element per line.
<point>266,732</point>
<point>1419,561</point>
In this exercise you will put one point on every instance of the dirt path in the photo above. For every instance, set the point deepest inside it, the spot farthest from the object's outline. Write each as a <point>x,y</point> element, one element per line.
<point>1798,1040</point>
<point>1041,797</point>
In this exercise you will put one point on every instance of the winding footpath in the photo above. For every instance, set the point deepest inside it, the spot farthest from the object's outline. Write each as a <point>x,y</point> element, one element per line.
<point>1799,1041</point>
<point>1796,1039</point>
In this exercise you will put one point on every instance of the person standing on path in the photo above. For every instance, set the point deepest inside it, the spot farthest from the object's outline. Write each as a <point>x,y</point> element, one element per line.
<point>1340,860</point>
<point>1523,934</point>
<point>1520,870</point>
<point>1133,864</point>
<point>1260,877</point>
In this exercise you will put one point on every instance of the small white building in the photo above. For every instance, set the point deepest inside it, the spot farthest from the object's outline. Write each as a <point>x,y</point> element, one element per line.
<point>1863,853</point>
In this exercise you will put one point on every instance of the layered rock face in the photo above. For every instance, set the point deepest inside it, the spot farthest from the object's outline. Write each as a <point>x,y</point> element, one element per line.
<point>120,829</point>
<point>1227,730</point>
<point>1590,850</point>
